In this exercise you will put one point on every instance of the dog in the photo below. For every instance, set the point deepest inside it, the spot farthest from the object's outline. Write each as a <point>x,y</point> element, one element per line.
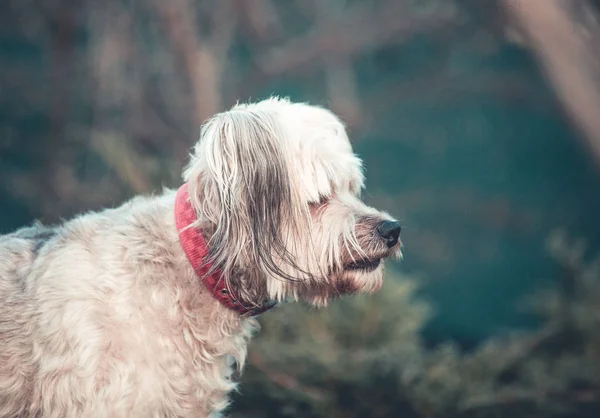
<point>146,310</point>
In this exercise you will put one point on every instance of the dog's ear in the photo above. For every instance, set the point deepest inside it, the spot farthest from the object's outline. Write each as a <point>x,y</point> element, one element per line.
<point>240,182</point>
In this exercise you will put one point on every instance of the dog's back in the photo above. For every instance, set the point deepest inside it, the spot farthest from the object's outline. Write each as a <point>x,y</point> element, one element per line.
<point>18,251</point>
<point>99,319</point>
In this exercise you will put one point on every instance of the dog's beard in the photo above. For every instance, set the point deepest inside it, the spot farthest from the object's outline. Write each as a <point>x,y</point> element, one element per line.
<point>347,282</point>
<point>351,260</point>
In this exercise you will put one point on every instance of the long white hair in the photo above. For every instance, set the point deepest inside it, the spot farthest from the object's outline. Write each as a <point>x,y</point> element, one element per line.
<point>275,186</point>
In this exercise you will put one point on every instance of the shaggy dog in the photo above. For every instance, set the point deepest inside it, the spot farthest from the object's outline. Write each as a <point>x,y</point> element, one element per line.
<point>146,310</point>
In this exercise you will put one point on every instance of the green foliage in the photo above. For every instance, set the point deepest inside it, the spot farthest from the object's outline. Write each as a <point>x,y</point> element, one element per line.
<point>322,362</point>
<point>364,356</point>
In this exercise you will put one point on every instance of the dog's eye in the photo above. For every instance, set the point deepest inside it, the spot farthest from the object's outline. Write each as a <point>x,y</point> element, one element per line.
<point>323,200</point>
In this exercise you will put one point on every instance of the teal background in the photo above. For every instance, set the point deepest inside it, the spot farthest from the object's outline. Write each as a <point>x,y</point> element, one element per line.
<point>465,142</point>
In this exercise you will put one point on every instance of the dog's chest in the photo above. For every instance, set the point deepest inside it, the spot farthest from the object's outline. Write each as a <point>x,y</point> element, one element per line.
<point>188,362</point>
<point>119,358</point>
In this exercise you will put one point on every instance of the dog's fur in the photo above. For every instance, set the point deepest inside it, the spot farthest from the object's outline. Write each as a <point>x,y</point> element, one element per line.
<point>103,316</point>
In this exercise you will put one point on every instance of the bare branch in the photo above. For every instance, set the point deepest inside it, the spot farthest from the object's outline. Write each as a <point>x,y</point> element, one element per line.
<point>564,45</point>
<point>203,58</point>
<point>358,29</point>
<point>340,78</point>
<point>117,153</point>
<point>284,380</point>
<point>261,18</point>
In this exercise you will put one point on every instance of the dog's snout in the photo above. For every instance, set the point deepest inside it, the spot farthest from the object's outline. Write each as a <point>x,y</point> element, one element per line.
<point>389,231</point>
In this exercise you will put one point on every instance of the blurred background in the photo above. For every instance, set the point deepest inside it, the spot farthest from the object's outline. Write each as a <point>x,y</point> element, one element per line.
<point>479,125</point>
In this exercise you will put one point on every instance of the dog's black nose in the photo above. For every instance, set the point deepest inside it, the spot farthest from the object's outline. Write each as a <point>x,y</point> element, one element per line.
<point>389,231</point>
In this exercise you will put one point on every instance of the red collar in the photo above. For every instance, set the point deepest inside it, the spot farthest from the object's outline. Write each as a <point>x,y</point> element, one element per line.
<point>196,250</point>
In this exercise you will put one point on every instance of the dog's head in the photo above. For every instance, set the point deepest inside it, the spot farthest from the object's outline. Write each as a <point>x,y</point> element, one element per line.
<point>276,188</point>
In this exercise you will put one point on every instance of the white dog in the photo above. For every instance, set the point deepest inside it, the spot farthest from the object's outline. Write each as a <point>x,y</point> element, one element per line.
<point>146,310</point>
